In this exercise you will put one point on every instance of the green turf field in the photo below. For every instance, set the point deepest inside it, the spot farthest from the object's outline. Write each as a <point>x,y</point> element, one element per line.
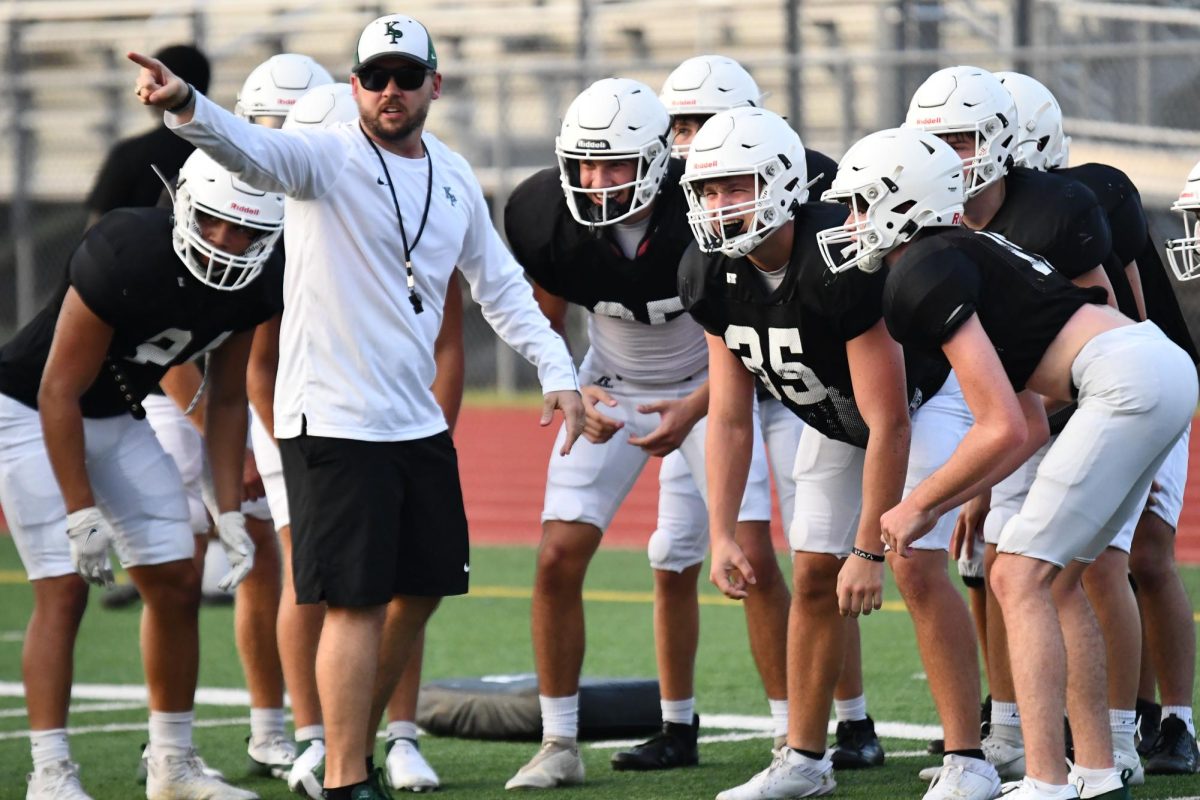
<point>488,633</point>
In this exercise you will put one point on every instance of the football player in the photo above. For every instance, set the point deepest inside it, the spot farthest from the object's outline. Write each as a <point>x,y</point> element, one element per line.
<point>1014,328</point>
<point>613,246</point>
<point>760,288</point>
<point>141,294</point>
<point>693,92</point>
<point>1053,216</point>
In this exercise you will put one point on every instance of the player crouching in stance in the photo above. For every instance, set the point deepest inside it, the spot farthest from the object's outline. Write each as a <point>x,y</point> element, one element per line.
<point>141,294</point>
<point>1011,327</point>
<point>818,342</point>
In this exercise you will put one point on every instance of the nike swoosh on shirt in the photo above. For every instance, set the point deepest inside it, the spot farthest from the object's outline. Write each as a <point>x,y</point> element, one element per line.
<point>381,181</point>
<point>954,312</point>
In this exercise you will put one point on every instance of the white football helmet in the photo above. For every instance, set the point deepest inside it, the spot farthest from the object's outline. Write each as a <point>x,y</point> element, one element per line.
<point>970,100</point>
<point>274,86</point>
<point>896,182</point>
<point>614,119</point>
<point>205,187</point>
<point>1184,254</point>
<point>1041,143</point>
<point>707,85</point>
<point>323,106</point>
<point>744,141</point>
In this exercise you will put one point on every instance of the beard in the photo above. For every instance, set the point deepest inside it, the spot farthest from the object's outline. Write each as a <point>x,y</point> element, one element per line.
<point>398,131</point>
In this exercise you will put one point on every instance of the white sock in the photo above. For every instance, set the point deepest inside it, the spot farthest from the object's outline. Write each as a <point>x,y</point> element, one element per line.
<point>1123,723</point>
<point>678,711</point>
<point>1185,716</point>
<point>170,733</point>
<point>1097,781</point>
<point>851,710</point>
<point>1006,723</point>
<point>796,757</point>
<point>560,716</point>
<point>779,712</point>
<point>310,732</point>
<point>48,747</point>
<point>402,729</point>
<point>265,722</point>
<point>1051,791</point>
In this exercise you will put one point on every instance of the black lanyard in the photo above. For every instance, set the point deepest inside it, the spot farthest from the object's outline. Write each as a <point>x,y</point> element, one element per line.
<point>413,296</point>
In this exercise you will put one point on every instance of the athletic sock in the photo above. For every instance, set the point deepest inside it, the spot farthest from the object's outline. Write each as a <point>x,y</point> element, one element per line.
<point>402,729</point>
<point>1006,723</point>
<point>48,747</point>
<point>265,722</point>
<point>779,712</point>
<point>560,716</point>
<point>1052,791</point>
<point>1123,723</point>
<point>1184,713</point>
<point>975,753</point>
<point>170,733</point>
<point>679,712</point>
<point>851,710</point>
<point>310,732</point>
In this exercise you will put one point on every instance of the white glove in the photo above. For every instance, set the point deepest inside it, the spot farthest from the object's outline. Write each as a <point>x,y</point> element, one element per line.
<point>90,536</point>
<point>239,548</point>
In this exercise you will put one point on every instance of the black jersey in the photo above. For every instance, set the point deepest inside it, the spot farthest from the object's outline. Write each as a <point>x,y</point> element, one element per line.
<point>587,267</point>
<point>945,278</point>
<point>1055,217</point>
<point>794,337</point>
<point>822,169</point>
<point>1162,303</point>
<point>125,270</point>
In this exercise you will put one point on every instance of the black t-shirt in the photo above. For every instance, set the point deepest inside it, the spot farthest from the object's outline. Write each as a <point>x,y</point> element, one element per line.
<point>126,179</point>
<point>587,267</point>
<point>794,337</point>
<point>128,275</point>
<point>946,277</point>
<point>1055,217</point>
<point>818,163</point>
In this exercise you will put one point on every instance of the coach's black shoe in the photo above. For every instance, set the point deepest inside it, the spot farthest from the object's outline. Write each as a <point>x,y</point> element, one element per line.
<point>1174,751</point>
<point>1149,717</point>
<point>674,747</point>
<point>856,746</point>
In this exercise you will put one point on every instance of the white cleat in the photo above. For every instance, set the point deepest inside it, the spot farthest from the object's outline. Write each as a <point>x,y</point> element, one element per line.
<point>1125,760</point>
<point>790,775</point>
<point>556,763</point>
<point>407,769</point>
<point>307,774</point>
<point>58,781</point>
<point>1024,790</point>
<point>182,777</point>
<point>1007,758</point>
<point>270,755</point>
<point>962,778</point>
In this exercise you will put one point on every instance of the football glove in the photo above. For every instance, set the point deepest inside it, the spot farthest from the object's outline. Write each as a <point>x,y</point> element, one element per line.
<point>239,549</point>
<point>90,536</point>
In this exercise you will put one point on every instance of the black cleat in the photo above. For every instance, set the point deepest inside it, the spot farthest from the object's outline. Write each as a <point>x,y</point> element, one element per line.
<point>936,747</point>
<point>856,746</point>
<point>1149,716</point>
<point>674,747</point>
<point>1174,751</point>
<point>122,595</point>
<point>985,718</point>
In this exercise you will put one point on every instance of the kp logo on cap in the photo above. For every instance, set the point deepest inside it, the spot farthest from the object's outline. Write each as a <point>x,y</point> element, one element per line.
<point>393,31</point>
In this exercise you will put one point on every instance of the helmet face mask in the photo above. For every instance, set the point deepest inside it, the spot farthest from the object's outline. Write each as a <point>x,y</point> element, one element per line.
<point>969,100</point>
<point>613,120</point>
<point>896,182</point>
<point>1184,253</point>
<point>205,188</point>
<point>274,86</point>
<point>743,149</point>
<point>1041,143</point>
<point>706,85</point>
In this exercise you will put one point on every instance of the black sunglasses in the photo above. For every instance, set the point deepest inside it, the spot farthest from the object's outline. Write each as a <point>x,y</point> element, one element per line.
<point>375,79</point>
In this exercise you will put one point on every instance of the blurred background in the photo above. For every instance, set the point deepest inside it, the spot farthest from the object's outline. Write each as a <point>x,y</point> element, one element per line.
<point>1126,72</point>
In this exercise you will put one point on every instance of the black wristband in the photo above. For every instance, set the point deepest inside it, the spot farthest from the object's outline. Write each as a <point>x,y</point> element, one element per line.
<point>868,556</point>
<point>187,101</point>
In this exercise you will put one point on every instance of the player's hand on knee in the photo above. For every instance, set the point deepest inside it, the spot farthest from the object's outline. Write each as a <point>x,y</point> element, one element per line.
<point>731,571</point>
<point>238,546</point>
<point>156,85</point>
<point>571,405</point>
<point>598,428</point>
<point>675,423</point>
<point>859,586</point>
<point>903,525</point>
<point>90,536</point>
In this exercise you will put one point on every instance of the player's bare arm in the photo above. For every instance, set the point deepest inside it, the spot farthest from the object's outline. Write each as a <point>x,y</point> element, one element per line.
<point>261,371</point>
<point>225,425</point>
<point>1096,276</point>
<point>77,354</point>
<point>449,357</point>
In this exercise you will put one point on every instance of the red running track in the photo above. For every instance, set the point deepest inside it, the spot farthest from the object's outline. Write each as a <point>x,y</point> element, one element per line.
<point>502,455</point>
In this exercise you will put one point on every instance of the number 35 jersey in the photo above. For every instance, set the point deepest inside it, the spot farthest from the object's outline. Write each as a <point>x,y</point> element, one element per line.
<point>794,337</point>
<point>126,272</point>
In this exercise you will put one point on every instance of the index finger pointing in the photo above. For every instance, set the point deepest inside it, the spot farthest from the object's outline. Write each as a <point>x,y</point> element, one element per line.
<point>141,60</point>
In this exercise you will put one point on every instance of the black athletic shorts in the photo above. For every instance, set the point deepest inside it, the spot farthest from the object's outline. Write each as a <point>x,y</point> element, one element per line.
<point>372,520</point>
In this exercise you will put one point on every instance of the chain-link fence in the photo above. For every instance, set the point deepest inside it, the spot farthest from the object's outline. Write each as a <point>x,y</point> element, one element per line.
<point>1126,74</point>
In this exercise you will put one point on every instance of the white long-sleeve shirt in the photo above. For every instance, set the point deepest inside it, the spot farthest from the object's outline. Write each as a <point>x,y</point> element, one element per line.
<point>355,360</point>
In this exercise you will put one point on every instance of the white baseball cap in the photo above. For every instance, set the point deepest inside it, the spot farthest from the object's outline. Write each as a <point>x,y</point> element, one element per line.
<point>395,35</point>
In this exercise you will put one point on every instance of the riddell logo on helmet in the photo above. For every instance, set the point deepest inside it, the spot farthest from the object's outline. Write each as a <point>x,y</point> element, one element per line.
<point>689,102</point>
<point>244,209</point>
<point>286,101</point>
<point>956,219</point>
<point>706,165</point>
<point>929,121</point>
<point>592,144</point>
